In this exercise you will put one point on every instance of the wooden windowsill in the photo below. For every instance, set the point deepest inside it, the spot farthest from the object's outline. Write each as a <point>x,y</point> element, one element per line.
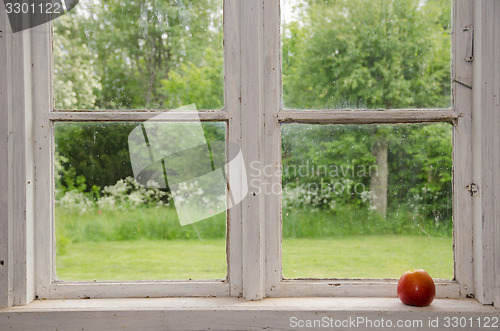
<point>235,314</point>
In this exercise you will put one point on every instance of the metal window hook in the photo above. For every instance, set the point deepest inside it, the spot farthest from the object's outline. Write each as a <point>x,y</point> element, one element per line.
<point>469,53</point>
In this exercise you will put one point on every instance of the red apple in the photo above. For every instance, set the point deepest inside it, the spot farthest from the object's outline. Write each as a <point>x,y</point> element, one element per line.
<point>416,288</point>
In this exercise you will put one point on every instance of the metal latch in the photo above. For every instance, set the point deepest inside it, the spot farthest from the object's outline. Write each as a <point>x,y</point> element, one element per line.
<point>469,52</point>
<point>472,188</point>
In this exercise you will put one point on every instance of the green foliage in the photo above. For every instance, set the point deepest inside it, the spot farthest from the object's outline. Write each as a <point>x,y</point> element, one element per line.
<point>307,222</point>
<point>98,224</point>
<point>202,84</point>
<point>139,55</point>
<point>332,163</point>
<point>340,54</point>
<point>368,54</point>
<point>332,166</point>
<point>422,170</point>
<point>97,152</point>
<point>66,178</point>
<point>134,46</point>
<point>76,83</point>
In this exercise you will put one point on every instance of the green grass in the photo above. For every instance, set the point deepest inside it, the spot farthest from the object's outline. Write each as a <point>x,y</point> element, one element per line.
<point>375,256</point>
<point>150,244</point>
<point>385,256</point>
<point>126,224</point>
<point>350,221</point>
<point>143,260</point>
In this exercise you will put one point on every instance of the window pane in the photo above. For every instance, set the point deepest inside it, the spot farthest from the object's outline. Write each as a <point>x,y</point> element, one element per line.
<point>140,201</point>
<point>367,201</point>
<point>366,54</point>
<point>139,55</point>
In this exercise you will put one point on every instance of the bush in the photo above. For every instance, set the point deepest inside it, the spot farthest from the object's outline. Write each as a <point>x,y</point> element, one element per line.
<point>309,222</point>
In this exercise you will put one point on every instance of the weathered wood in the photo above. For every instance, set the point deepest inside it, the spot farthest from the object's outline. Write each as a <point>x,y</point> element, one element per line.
<point>20,168</point>
<point>461,32</point>
<point>272,179</point>
<point>233,314</point>
<point>43,150</point>
<point>485,138</point>
<point>496,153</point>
<point>367,116</point>
<point>353,288</point>
<point>98,290</point>
<point>136,116</point>
<point>253,147</point>
<point>232,64</point>
<point>254,231</point>
<point>5,104</point>
<point>462,149</point>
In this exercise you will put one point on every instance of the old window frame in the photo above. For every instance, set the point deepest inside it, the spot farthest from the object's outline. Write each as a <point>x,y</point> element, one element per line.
<point>253,109</point>
<point>275,114</point>
<point>47,286</point>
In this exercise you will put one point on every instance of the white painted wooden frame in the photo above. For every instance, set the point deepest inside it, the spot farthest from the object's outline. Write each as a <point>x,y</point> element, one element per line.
<point>253,145</point>
<point>5,222</point>
<point>47,285</point>
<point>276,286</point>
<point>254,115</point>
<point>486,151</point>
<point>462,145</point>
<point>16,171</point>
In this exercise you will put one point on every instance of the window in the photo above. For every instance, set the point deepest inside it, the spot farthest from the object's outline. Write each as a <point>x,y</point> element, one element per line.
<point>352,192</point>
<point>253,116</point>
<point>115,216</point>
<point>123,212</point>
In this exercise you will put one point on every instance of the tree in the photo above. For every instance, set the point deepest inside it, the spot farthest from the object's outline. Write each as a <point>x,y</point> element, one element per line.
<point>132,55</point>
<point>139,44</point>
<point>367,54</point>
<point>378,54</point>
<point>76,82</point>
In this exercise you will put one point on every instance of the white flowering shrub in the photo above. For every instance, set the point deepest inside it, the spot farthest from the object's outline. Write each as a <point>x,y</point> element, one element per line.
<point>129,193</point>
<point>190,193</point>
<point>75,201</point>
<point>126,193</point>
<point>326,194</point>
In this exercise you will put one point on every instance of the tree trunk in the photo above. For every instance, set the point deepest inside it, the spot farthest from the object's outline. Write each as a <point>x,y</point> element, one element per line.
<point>379,178</point>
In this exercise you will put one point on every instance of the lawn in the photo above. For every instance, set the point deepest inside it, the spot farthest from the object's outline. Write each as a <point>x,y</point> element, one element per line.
<point>143,260</point>
<point>377,256</point>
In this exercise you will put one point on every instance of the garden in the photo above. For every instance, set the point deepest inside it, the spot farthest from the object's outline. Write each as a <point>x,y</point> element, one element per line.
<point>358,201</point>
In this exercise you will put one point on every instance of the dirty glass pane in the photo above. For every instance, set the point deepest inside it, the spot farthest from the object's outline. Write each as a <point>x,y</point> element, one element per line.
<point>366,54</point>
<point>140,201</point>
<point>367,201</point>
<point>142,54</point>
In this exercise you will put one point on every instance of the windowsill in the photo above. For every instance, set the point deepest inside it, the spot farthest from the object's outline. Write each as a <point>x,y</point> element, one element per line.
<point>228,313</point>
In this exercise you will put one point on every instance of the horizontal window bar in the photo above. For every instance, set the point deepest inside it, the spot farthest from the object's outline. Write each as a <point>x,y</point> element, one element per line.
<point>354,288</point>
<point>367,116</point>
<point>100,290</point>
<point>136,116</point>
